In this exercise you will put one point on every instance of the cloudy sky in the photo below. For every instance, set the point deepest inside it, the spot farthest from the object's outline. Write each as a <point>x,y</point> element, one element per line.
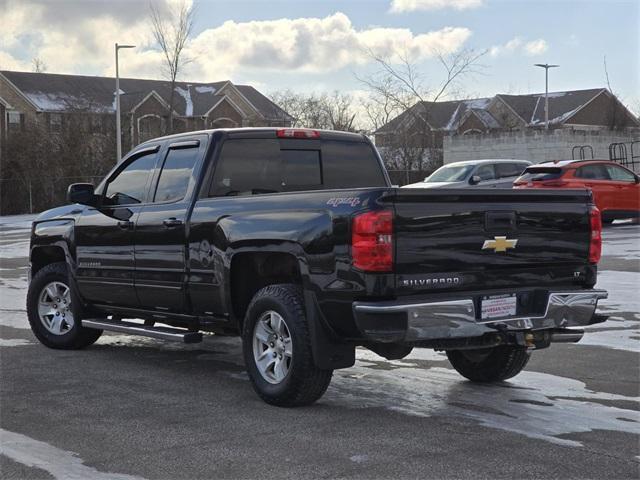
<point>318,45</point>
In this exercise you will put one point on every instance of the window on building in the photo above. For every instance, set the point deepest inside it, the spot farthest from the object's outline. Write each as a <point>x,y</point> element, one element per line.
<point>149,127</point>
<point>176,174</point>
<point>55,122</point>
<point>15,121</point>
<point>96,124</point>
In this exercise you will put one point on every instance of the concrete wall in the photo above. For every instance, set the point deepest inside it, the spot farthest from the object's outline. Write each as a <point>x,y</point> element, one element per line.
<point>535,146</point>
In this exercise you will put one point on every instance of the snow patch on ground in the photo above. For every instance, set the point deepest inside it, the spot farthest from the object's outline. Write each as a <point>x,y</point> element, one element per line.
<point>533,404</point>
<point>59,463</point>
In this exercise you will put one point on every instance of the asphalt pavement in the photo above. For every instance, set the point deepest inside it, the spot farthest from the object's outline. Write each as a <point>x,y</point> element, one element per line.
<point>131,407</point>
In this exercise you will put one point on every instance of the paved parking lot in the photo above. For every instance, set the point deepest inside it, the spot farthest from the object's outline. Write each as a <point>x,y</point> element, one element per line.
<point>140,408</point>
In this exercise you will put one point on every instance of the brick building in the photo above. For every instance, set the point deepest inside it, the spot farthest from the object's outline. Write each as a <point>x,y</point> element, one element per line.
<point>428,123</point>
<point>53,101</point>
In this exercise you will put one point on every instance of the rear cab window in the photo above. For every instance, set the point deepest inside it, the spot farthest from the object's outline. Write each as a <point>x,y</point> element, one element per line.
<point>248,166</point>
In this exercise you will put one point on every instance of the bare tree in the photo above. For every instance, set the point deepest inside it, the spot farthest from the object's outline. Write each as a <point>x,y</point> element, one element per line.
<point>399,94</point>
<point>334,111</point>
<point>172,29</point>
<point>38,65</point>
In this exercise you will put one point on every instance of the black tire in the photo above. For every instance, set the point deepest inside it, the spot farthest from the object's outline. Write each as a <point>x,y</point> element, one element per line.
<point>304,382</point>
<point>489,364</point>
<point>77,336</point>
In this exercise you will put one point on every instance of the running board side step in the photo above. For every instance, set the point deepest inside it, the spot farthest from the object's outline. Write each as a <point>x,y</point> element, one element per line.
<point>163,333</point>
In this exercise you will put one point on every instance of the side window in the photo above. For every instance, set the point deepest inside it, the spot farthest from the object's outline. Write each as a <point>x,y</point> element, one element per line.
<point>593,172</point>
<point>485,172</point>
<point>620,174</point>
<point>130,185</point>
<point>246,167</point>
<point>504,170</point>
<point>176,174</point>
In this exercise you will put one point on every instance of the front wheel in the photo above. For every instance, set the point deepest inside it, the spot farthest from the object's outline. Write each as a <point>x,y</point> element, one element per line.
<point>55,313</point>
<point>489,364</point>
<point>277,349</point>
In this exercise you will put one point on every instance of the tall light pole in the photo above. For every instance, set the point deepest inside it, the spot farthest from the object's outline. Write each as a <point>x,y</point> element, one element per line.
<point>546,67</point>
<point>118,134</point>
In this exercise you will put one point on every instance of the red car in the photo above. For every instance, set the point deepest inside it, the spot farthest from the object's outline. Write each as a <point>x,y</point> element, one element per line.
<point>616,189</point>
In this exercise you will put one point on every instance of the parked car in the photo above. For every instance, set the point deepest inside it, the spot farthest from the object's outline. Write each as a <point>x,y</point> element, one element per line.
<point>474,173</point>
<point>296,241</point>
<point>616,189</point>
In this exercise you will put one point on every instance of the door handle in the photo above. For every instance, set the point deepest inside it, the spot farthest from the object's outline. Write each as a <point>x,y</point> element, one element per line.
<point>172,222</point>
<point>125,224</point>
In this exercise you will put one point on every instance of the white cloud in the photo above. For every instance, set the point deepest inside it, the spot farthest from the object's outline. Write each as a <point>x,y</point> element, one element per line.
<point>401,6</point>
<point>517,44</point>
<point>301,44</point>
<point>536,47</point>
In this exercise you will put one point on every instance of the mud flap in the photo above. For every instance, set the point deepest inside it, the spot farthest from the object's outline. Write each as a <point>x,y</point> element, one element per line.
<point>329,353</point>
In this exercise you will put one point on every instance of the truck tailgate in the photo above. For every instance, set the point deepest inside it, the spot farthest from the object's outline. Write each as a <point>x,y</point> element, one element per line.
<point>466,239</point>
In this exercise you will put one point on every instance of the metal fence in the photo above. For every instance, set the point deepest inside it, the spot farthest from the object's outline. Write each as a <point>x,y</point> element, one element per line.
<point>36,194</point>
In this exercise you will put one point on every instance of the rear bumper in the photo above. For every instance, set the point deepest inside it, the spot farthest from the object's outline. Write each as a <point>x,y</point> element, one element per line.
<point>397,322</point>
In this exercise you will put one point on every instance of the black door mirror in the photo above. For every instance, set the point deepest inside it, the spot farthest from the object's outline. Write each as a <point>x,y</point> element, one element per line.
<point>81,193</point>
<point>475,180</point>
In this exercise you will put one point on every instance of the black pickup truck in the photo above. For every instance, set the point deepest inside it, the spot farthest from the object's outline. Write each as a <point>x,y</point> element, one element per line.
<point>296,240</point>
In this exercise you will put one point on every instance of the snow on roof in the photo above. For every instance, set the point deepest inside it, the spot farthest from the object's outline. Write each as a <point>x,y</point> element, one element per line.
<point>186,94</point>
<point>58,92</point>
<point>205,89</point>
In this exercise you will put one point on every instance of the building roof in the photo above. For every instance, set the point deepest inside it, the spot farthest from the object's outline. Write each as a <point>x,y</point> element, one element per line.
<point>447,116</point>
<point>51,92</point>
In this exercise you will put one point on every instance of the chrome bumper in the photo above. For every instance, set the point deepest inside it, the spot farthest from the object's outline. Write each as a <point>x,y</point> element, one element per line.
<point>457,318</point>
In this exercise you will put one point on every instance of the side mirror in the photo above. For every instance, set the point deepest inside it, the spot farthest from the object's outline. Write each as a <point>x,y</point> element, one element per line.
<point>637,178</point>
<point>81,193</point>
<point>475,180</point>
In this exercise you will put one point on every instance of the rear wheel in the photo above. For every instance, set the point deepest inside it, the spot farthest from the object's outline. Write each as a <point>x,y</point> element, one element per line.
<point>54,312</point>
<point>277,349</point>
<point>489,364</point>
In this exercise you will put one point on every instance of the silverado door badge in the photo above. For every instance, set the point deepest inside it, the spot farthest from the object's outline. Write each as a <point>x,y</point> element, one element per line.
<point>499,244</point>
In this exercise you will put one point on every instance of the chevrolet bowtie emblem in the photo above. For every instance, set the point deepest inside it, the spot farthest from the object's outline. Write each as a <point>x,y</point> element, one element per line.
<point>499,244</point>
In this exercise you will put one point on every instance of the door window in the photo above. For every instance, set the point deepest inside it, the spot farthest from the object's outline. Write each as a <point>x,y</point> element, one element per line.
<point>485,172</point>
<point>619,174</point>
<point>176,174</point>
<point>130,185</point>
<point>504,170</point>
<point>593,172</point>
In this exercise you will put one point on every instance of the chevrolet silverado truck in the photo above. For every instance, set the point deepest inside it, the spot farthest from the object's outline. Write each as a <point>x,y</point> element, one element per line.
<point>296,241</point>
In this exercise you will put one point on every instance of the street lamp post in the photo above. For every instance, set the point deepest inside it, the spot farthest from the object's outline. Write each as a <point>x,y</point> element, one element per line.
<point>118,134</point>
<point>546,67</point>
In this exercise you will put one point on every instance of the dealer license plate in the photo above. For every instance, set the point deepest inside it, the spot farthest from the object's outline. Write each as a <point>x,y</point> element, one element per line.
<point>498,306</point>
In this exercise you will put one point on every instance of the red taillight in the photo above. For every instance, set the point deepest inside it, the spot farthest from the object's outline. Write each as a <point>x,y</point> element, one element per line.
<point>297,133</point>
<point>372,241</point>
<point>595,243</point>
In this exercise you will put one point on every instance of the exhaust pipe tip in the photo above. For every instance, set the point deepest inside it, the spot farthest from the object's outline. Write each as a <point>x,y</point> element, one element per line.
<point>566,335</point>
